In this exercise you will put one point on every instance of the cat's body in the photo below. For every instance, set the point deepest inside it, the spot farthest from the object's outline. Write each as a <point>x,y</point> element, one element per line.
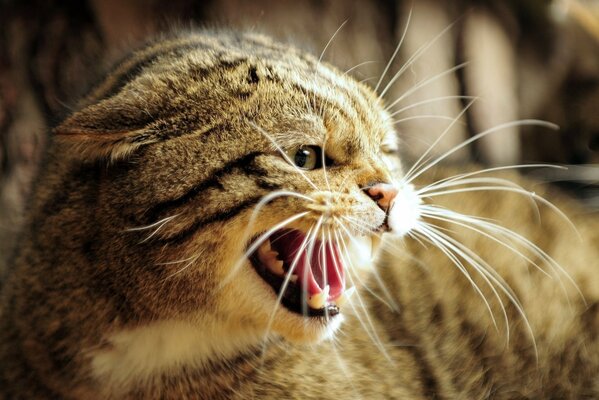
<point>127,281</point>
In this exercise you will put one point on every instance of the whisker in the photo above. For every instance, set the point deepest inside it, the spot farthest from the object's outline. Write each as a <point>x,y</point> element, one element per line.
<point>544,201</point>
<point>309,253</point>
<point>331,40</point>
<point>424,83</point>
<point>408,176</point>
<point>413,58</point>
<point>424,116</point>
<point>524,122</point>
<point>403,36</point>
<point>390,302</point>
<point>429,233</point>
<point>511,235</point>
<point>487,271</point>
<point>288,275</point>
<point>372,331</point>
<point>487,170</point>
<point>358,66</point>
<point>436,99</point>
<point>159,225</point>
<point>449,219</point>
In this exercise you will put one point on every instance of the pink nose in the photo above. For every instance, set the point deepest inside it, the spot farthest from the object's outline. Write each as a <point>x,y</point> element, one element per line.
<point>383,194</point>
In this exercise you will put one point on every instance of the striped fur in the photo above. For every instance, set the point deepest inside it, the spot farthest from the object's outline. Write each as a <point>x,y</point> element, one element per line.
<point>121,285</point>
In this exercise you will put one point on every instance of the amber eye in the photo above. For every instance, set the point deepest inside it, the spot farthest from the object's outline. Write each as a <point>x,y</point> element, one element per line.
<point>306,157</point>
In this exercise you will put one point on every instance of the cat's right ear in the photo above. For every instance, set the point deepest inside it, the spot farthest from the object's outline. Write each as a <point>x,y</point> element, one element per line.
<point>110,129</point>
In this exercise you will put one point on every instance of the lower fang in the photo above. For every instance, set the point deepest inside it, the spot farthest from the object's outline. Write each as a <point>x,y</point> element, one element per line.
<point>319,300</point>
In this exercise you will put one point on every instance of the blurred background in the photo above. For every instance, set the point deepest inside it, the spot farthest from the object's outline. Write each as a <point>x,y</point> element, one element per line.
<point>519,58</point>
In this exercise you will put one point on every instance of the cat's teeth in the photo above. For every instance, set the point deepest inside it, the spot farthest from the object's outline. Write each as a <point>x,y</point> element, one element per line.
<point>319,300</point>
<point>276,267</point>
<point>345,296</point>
<point>264,247</point>
<point>268,258</point>
<point>293,278</point>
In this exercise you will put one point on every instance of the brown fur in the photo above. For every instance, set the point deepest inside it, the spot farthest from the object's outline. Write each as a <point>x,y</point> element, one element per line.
<point>180,129</point>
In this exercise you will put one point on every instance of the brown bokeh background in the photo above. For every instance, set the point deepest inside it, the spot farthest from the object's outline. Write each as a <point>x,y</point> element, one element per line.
<point>526,59</point>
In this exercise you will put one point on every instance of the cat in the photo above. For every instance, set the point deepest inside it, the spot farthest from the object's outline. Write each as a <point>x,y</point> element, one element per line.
<point>542,57</point>
<point>227,217</point>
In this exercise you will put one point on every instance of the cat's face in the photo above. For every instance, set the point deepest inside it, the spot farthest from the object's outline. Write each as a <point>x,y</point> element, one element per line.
<point>247,182</point>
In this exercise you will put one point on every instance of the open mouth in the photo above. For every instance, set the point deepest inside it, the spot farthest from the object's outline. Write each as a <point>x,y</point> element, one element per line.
<point>310,276</point>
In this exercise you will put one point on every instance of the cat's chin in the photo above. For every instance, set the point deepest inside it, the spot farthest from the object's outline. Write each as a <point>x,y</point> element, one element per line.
<point>297,329</point>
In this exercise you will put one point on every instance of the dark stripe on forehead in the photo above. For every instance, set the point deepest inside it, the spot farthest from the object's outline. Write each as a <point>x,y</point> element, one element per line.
<point>243,163</point>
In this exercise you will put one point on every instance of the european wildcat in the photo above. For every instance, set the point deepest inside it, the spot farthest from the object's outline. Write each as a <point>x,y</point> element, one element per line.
<point>143,272</point>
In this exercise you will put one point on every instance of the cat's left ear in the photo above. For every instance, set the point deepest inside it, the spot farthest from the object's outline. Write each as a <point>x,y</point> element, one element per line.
<point>110,129</point>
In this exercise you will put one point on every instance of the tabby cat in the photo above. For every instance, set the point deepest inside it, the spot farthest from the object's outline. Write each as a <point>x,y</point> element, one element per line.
<point>206,226</point>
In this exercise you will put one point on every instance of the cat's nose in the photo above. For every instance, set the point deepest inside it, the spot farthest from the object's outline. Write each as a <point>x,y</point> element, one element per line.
<point>383,194</point>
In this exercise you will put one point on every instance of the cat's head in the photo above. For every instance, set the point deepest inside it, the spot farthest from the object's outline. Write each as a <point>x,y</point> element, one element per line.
<point>233,169</point>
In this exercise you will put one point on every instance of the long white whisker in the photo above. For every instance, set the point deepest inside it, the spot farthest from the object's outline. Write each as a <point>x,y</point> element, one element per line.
<point>423,116</point>
<point>390,302</point>
<point>408,176</point>
<point>436,99</point>
<point>486,170</point>
<point>397,48</point>
<point>424,83</point>
<point>267,199</point>
<point>415,56</point>
<point>309,253</point>
<point>545,202</point>
<point>285,285</point>
<point>449,219</point>
<point>358,66</point>
<point>524,122</point>
<point>486,270</point>
<point>426,234</point>
<point>511,235</point>
<point>331,40</point>
<point>158,225</point>
<point>372,331</point>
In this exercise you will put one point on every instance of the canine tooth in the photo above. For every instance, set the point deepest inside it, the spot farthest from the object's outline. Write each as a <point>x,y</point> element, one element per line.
<point>293,278</point>
<point>264,247</point>
<point>345,296</point>
<point>319,300</point>
<point>276,266</point>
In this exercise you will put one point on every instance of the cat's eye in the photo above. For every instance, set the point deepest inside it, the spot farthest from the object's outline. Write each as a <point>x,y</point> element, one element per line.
<point>306,157</point>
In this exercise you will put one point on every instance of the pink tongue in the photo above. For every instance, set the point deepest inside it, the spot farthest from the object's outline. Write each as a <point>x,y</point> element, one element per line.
<point>323,267</point>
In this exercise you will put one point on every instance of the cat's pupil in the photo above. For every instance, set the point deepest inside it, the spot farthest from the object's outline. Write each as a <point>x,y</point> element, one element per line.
<point>301,157</point>
<point>306,157</point>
